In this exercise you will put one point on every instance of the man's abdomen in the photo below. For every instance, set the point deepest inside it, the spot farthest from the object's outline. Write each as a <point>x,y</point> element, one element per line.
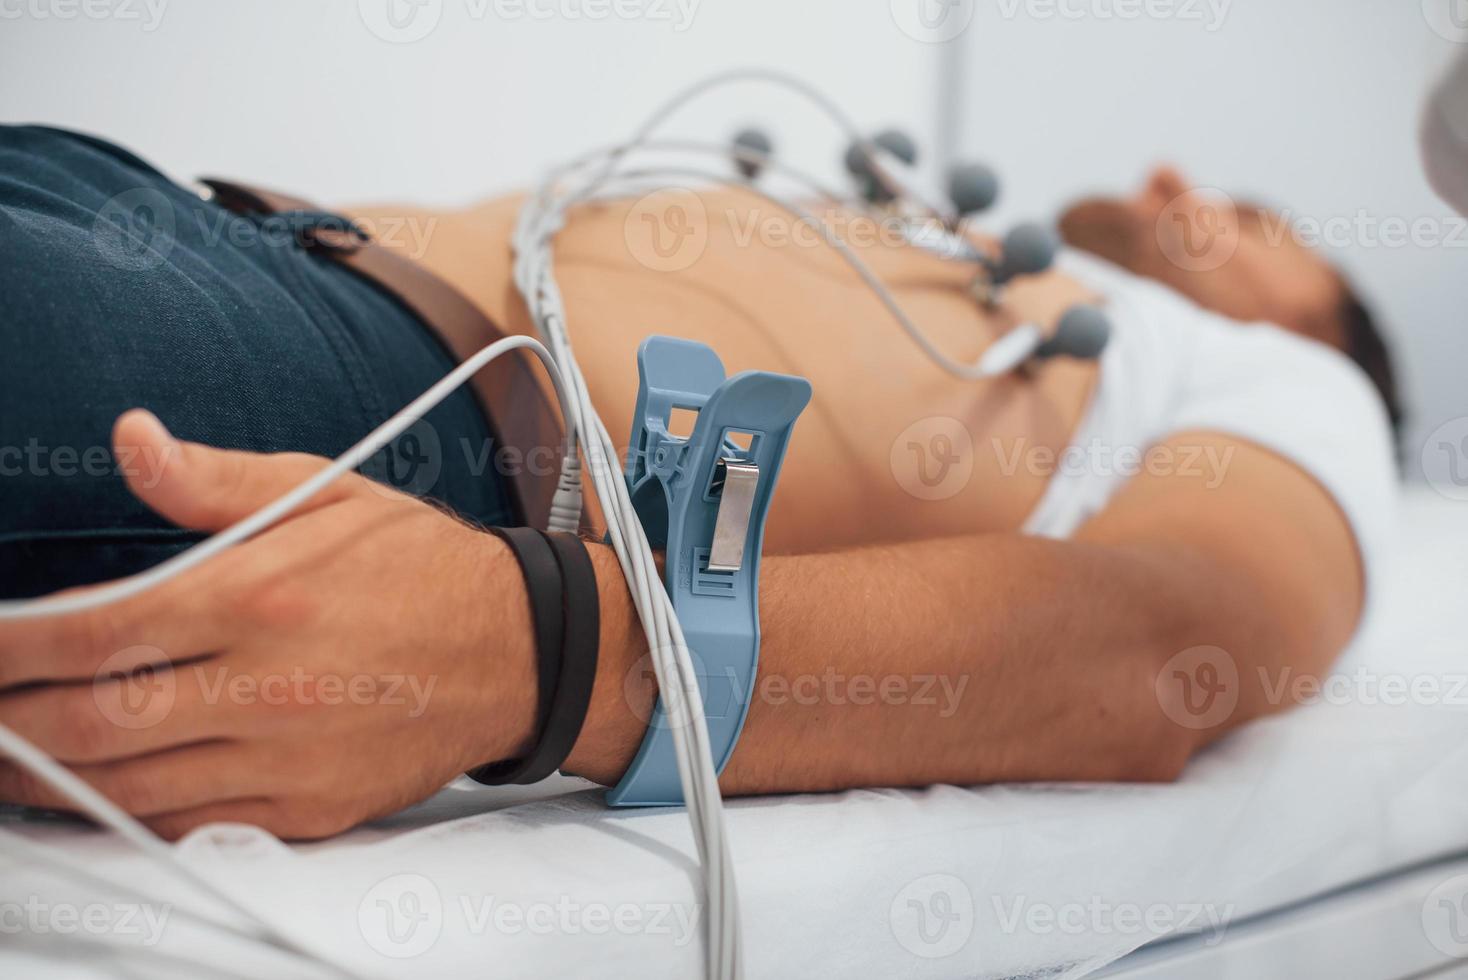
<point>891,447</point>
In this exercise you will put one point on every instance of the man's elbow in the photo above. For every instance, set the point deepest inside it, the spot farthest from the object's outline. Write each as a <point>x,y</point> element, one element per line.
<point>1265,660</point>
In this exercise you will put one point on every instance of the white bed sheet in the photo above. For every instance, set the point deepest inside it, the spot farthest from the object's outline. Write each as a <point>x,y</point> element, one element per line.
<point>999,881</point>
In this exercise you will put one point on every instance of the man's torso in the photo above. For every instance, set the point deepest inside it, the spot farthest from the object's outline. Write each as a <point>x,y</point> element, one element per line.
<point>892,447</point>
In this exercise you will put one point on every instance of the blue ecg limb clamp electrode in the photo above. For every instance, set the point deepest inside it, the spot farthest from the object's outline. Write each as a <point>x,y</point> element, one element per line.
<point>704,499</point>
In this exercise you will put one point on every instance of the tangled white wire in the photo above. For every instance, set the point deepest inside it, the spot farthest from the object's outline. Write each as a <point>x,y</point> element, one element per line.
<point>540,219</point>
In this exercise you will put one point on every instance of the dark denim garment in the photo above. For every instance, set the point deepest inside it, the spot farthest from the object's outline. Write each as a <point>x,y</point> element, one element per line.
<point>120,288</point>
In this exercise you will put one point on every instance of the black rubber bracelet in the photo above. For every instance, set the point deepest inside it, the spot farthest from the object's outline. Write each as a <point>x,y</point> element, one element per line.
<point>542,573</point>
<point>582,617</point>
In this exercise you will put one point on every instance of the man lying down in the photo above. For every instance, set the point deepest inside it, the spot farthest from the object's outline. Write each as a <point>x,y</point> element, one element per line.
<point>964,582</point>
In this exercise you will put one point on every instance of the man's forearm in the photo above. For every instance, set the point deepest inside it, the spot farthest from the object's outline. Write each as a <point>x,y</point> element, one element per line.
<point>976,659</point>
<point>1008,657</point>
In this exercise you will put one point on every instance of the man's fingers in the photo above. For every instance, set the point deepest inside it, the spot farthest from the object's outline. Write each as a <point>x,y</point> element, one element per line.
<point>175,622</point>
<point>129,714</point>
<point>209,489</point>
<point>167,782</point>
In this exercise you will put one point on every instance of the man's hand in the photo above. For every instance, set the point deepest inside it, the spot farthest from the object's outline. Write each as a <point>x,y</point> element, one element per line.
<point>344,664</point>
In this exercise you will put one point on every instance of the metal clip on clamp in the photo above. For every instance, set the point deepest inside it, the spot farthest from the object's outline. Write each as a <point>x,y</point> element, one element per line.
<point>704,499</point>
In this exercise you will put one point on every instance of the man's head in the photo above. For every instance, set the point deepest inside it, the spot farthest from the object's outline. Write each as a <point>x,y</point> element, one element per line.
<point>1239,260</point>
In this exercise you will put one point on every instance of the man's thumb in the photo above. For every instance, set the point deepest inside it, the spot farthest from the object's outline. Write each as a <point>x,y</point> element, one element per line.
<point>204,488</point>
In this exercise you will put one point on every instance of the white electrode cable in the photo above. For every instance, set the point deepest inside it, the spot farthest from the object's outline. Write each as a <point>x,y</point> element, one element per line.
<point>540,219</point>
<point>987,365</point>
<point>672,661</point>
<point>805,90</point>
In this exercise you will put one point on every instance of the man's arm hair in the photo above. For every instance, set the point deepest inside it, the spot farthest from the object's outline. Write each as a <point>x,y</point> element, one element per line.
<point>1001,657</point>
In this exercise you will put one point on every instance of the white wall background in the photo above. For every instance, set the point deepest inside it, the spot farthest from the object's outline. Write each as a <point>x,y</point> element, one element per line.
<point>1308,103</point>
<point>307,96</point>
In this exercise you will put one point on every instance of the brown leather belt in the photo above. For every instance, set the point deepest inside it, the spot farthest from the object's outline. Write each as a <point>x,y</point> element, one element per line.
<point>515,406</point>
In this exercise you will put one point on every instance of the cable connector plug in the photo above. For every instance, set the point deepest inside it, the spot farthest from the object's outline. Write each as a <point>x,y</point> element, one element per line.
<point>565,512</point>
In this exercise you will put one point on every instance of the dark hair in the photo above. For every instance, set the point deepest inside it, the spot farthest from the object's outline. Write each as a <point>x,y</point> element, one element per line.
<point>1364,342</point>
<point>1368,348</point>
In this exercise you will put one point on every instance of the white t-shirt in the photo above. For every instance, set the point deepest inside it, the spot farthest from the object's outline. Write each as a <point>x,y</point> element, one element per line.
<point>1172,366</point>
